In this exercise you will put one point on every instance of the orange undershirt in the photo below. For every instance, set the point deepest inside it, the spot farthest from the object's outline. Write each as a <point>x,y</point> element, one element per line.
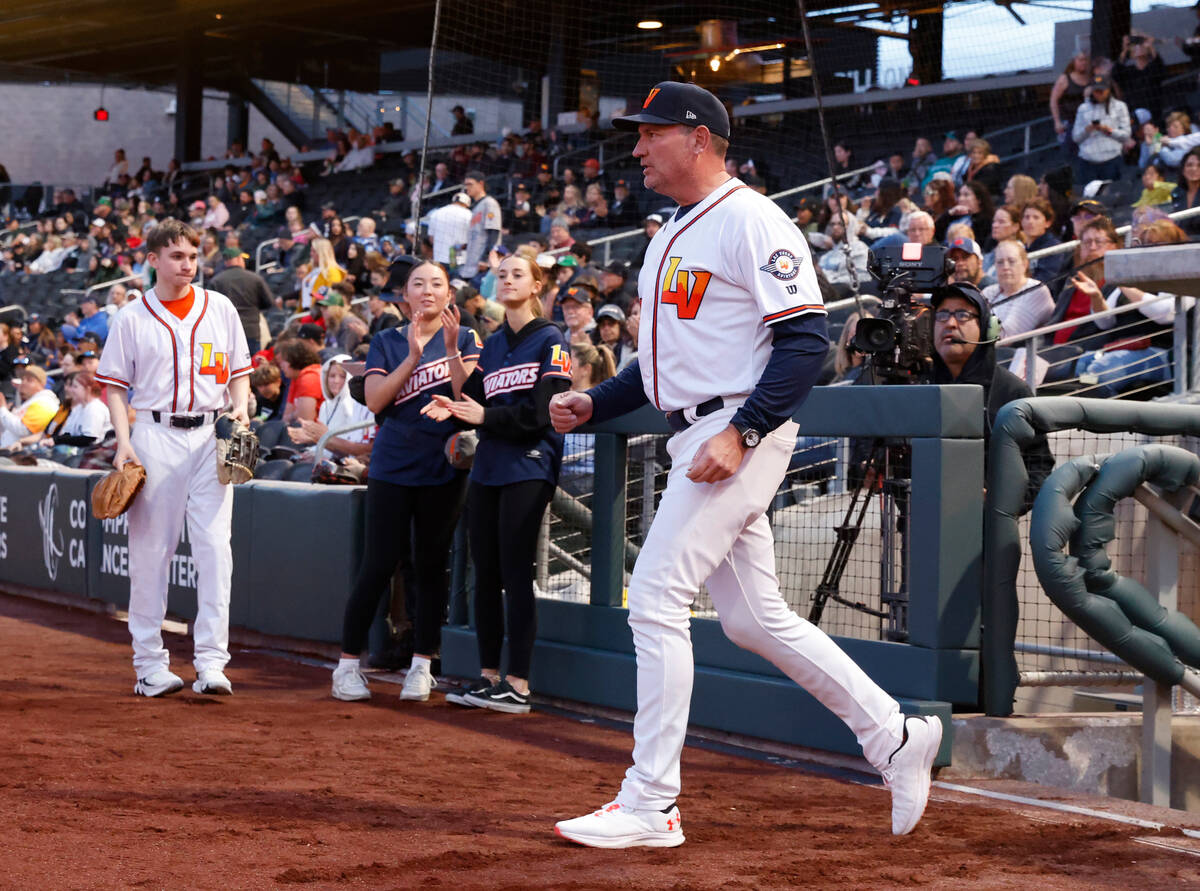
<point>181,307</point>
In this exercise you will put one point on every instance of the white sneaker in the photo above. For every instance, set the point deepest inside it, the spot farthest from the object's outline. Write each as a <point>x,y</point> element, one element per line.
<point>618,826</point>
<point>349,684</point>
<point>213,682</point>
<point>159,682</point>
<point>417,684</point>
<point>908,772</point>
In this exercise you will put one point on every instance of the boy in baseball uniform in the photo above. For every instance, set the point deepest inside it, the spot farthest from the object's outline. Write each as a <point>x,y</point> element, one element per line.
<point>732,338</point>
<point>179,357</point>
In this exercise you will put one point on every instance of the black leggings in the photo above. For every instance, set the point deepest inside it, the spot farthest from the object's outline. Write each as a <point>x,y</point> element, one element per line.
<point>401,521</point>
<point>504,523</point>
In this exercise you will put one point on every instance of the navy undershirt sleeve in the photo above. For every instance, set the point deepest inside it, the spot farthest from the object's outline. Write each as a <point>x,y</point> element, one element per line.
<point>798,350</point>
<point>618,395</point>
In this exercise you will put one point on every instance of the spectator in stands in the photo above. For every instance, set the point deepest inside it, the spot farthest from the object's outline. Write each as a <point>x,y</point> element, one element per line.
<point>300,362</point>
<point>847,360</point>
<point>267,384</point>
<point>51,257</point>
<point>23,425</point>
<point>463,125</point>
<point>364,235</point>
<point>382,311</point>
<point>1139,72</point>
<point>805,211</point>
<point>923,159</point>
<point>1101,128</point>
<point>88,421</point>
<point>595,212</point>
<point>593,175</point>
<point>1179,140</point>
<point>1065,98</point>
<point>939,196</point>
<point>414,496</point>
<point>324,272</point>
<point>119,168</point>
<point>338,410</point>
<point>844,162</point>
<point>590,365</point>
<point>974,207</point>
<point>615,286</point>
<point>1156,191</point>
<point>578,312</point>
<point>360,156</point>
<point>1020,189</point>
<point>1097,239</point>
<point>845,263</point>
<point>983,167</point>
<point>1036,219</point>
<point>560,234</point>
<point>343,329</point>
<point>485,228</point>
<point>1006,223</point>
<point>880,214</point>
<point>1020,303</point>
<point>217,215</point>
<point>1140,353</point>
<point>248,292</point>
<point>967,257</point>
<point>623,212</point>
<point>953,162</point>
<point>89,322</point>
<point>449,228</point>
<point>963,356</point>
<point>610,332</point>
<point>572,206</point>
<point>1083,212</point>
<point>1187,194</point>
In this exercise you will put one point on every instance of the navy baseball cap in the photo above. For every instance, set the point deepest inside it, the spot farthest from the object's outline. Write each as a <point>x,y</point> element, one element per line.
<point>670,102</point>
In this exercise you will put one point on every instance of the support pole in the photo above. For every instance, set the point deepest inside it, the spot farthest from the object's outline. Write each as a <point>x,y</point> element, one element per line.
<point>1162,576</point>
<point>189,96</point>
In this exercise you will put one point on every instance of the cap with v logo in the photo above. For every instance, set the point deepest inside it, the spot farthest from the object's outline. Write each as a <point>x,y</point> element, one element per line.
<point>675,103</point>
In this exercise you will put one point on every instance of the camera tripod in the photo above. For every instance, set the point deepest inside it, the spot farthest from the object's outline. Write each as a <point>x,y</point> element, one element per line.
<point>886,470</point>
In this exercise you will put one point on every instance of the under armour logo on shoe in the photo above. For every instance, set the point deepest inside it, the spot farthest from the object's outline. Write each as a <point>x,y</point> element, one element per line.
<point>671,824</point>
<point>613,807</point>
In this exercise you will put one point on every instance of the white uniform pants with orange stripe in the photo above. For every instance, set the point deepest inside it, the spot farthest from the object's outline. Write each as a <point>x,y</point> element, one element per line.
<point>718,534</point>
<point>181,482</point>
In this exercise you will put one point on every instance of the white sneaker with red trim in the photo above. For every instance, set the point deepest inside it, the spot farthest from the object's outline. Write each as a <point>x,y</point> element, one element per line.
<point>618,826</point>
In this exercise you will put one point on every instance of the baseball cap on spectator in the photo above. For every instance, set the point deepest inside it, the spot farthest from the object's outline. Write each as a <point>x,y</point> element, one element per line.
<point>1100,82</point>
<point>952,134</point>
<point>331,300</point>
<point>462,291</point>
<point>311,331</point>
<point>36,371</point>
<point>653,218</point>
<point>805,203</point>
<point>501,250</point>
<point>610,311</point>
<point>617,267</point>
<point>578,293</point>
<point>493,310</point>
<point>197,205</point>
<point>1089,205</point>
<point>230,252</point>
<point>462,198</point>
<point>98,223</point>
<point>546,261</point>
<point>543,168</point>
<point>105,200</point>
<point>567,260</point>
<point>592,162</point>
<point>328,205</point>
<point>670,102</point>
<point>398,181</point>
<point>942,174</point>
<point>1143,116</point>
<point>621,184</point>
<point>86,354</point>
<point>521,187</point>
<point>966,245</point>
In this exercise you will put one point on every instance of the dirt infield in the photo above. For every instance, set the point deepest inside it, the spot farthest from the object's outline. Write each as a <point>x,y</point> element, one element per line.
<point>281,786</point>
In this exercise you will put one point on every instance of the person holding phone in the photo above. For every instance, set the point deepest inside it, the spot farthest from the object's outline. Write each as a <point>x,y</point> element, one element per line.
<point>1101,128</point>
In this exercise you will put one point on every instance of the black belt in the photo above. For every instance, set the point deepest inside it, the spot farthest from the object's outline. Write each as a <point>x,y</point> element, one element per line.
<point>184,422</point>
<point>676,421</point>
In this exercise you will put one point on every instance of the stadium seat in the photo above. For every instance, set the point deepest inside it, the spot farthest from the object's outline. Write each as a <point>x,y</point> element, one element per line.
<point>273,470</point>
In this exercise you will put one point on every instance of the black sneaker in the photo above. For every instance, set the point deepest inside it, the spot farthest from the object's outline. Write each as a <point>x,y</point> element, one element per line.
<point>501,697</point>
<point>459,695</point>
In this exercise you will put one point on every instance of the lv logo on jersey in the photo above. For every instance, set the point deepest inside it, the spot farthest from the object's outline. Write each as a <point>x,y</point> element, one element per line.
<point>683,288</point>
<point>560,359</point>
<point>216,364</point>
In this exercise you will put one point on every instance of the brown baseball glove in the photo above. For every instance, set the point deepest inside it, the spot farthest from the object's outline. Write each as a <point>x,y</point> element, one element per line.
<point>237,451</point>
<point>113,494</point>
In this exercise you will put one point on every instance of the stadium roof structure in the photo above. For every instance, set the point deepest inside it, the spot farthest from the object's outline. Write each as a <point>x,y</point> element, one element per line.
<point>338,45</point>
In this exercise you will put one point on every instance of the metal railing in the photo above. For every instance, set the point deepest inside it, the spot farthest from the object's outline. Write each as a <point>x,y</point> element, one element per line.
<point>1123,230</point>
<point>329,434</point>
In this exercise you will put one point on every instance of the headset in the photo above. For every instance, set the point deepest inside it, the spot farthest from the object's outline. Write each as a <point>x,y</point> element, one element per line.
<point>994,329</point>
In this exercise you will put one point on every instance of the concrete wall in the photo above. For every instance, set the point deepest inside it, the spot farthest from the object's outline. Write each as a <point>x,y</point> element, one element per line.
<point>50,135</point>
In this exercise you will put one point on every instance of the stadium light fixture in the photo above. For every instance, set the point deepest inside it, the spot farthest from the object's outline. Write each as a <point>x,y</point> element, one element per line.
<point>715,63</point>
<point>649,24</point>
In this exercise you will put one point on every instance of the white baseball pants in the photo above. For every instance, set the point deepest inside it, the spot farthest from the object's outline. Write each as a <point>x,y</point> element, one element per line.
<point>719,534</point>
<point>181,482</point>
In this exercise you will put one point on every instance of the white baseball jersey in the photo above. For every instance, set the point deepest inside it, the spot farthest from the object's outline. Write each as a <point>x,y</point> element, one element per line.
<point>171,364</point>
<point>712,284</point>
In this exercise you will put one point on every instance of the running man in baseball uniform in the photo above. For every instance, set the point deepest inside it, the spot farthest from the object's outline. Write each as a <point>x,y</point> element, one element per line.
<point>179,357</point>
<point>732,338</point>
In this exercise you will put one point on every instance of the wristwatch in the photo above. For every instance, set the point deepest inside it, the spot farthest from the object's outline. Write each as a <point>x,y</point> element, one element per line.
<point>750,436</point>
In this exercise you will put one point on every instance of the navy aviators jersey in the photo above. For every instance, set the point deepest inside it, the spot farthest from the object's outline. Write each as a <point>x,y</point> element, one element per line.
<point>409,447</point>
<point>516,377</point>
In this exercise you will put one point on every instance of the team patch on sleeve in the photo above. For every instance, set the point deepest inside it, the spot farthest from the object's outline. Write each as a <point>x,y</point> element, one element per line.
<point>784,265</point>
<point>560,361</point>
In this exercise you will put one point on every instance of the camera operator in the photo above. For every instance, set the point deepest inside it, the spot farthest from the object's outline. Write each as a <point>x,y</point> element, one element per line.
<point>963,354</point>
